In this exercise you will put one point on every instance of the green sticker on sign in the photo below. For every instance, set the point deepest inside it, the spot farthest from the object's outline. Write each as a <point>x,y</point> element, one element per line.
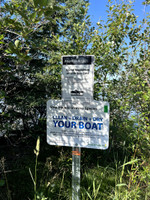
<point>106,109</point>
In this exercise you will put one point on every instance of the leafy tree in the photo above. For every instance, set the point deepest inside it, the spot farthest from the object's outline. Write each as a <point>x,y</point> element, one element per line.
<point>34,36</point>
<point>21,60</point>
<point>121,48</point>
<point>122,77</point>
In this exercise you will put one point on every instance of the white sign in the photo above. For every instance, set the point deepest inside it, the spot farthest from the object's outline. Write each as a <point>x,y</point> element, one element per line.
<point>77,77</point>
<point>78,123</point>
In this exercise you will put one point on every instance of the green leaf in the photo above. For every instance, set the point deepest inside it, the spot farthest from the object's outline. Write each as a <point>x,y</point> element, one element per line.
<point>36,2</point>
<point>89,195</point>
<point>82,10</point>
<point>146,97</point>
<point>48,13</point>
<point>17,43</point>
<point>27,58</point>
<point>1,37</point>
<point>11,46</point>
<point>43,3</point>
<point>8,51</point>
<point>33,16</point>
<point>121,184</point>
<point>2,183</point>
<point>40,13</point>
<point>49,3</point>
<point>31,176</point>
<point>131,162</point>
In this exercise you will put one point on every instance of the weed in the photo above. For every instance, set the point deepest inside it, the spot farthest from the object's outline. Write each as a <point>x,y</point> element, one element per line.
<point>5,180</point>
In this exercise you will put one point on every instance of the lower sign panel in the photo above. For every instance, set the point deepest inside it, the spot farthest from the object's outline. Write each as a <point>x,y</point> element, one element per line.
<point>76,123</point>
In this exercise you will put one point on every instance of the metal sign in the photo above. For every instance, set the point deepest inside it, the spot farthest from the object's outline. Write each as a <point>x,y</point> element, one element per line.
<point>78,123</point>
<point>77,77</point>
<point>77,120</point>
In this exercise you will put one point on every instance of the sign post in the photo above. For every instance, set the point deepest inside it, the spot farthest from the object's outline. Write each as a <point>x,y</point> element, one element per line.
<point>77,120</point>
<point>76,160</point>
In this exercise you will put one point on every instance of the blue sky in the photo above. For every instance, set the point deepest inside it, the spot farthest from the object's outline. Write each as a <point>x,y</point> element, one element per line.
<point>97,10</point>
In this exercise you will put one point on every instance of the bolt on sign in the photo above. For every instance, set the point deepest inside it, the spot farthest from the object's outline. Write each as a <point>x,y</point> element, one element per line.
<point>77,120</point>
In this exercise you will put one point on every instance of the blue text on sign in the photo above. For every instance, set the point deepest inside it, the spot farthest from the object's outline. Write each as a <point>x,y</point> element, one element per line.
<point>80,125</point>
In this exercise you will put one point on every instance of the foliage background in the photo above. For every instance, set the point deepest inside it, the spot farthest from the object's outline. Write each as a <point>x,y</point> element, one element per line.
<point>33,36</point>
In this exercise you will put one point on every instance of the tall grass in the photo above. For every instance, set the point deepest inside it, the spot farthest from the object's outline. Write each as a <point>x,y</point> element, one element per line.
<point>34,178</point>
<point>5,180</point>
<point>122,182</point>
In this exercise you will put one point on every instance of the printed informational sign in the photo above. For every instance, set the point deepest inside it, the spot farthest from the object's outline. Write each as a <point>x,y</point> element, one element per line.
<point>78,123</point>
<point>77,77</point>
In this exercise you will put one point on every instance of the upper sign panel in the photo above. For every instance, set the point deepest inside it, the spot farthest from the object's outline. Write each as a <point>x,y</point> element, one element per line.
<point>77,77</point>
<point>77,60</point>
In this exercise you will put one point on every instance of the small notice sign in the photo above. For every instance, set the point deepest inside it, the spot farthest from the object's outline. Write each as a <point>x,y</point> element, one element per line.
<point>78,123</point>
<point>77,77</point>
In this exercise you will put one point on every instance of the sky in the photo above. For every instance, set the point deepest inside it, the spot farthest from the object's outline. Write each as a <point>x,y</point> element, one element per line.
<point>97,10</point>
